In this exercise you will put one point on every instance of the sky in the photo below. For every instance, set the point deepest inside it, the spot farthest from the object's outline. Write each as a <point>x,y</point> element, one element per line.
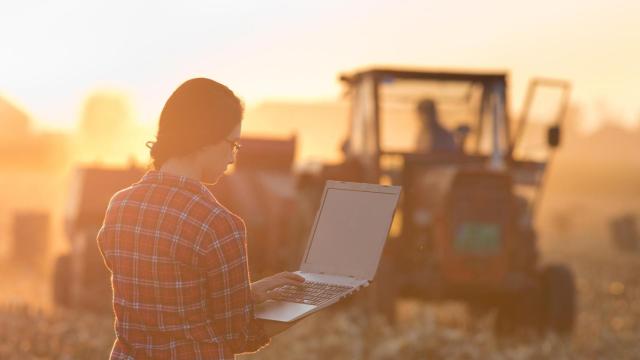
<point>54,54</point>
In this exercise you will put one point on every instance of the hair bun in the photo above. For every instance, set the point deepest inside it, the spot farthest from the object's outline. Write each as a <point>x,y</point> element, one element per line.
<point>153,148</point>
<point>156,152</point>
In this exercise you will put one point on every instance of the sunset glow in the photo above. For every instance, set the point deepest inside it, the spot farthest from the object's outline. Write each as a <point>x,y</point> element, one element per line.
<point>402,179</point>
<point>55,54</point>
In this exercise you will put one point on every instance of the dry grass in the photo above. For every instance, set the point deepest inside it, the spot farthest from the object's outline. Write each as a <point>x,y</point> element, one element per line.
<point>30,334</point>
<point>608,325</point>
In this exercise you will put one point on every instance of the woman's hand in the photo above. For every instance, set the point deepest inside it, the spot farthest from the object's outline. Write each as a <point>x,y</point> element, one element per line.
<point>260,290</point>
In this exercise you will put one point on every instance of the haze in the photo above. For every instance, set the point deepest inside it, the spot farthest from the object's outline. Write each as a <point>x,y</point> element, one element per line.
<point>54,54</point>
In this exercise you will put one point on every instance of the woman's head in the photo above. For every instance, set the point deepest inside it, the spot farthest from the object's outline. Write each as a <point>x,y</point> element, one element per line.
<point>199,119</point>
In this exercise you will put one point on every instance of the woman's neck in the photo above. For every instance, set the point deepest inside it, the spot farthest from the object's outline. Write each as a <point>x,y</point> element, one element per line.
<point>182,167</point>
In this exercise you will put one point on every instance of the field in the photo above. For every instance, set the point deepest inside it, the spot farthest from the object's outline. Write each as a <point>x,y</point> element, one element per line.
<point>608,324</point>
<point>587,187</point>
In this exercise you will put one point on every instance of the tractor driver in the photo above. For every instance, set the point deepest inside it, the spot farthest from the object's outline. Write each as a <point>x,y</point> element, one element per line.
<point>433,137</point>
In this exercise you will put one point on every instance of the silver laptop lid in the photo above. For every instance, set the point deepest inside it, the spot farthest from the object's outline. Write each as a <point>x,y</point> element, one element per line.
<point>350,229</point>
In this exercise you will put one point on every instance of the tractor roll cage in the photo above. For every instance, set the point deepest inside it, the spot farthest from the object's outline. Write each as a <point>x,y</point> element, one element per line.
<point>495,82</point>
<point>418,74</point>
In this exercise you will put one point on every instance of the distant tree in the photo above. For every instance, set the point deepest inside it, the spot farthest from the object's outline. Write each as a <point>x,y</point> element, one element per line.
<point>106,121</point>
<point>573,125</point>
<point>14,122</point>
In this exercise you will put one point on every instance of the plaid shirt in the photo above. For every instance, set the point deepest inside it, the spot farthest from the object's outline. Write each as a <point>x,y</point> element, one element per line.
<point>178,263</point>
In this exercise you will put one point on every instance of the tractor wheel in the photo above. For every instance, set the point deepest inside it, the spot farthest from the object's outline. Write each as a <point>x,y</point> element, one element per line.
<point>519,314</point>
<point>558,299</point>
<point>380,296</point>
<point>61,281</point>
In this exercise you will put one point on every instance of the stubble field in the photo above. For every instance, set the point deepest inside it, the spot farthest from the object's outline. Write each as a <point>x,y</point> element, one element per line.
<point>608,322</point>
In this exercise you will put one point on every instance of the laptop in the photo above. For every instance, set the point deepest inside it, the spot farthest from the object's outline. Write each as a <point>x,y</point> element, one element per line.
<point>343,250</point>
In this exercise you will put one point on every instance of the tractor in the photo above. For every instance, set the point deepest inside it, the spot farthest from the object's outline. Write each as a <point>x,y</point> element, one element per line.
<point>472,180</point>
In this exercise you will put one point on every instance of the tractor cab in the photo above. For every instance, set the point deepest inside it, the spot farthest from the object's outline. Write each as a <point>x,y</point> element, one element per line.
<point>448,118</point>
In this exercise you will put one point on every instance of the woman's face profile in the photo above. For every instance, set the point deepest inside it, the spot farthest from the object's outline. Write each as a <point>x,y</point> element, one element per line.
<point>214,159</point>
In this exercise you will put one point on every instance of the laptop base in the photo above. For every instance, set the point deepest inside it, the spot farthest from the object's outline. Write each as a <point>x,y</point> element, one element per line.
<point>282,310</point>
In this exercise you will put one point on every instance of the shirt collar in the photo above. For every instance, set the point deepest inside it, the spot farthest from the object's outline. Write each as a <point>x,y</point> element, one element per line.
<point>179,181</point>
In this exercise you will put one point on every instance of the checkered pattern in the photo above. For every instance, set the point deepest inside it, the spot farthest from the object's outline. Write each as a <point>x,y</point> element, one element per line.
<point>178,263</point>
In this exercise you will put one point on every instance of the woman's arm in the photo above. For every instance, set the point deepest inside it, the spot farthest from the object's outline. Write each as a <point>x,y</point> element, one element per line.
<point>261,291</point>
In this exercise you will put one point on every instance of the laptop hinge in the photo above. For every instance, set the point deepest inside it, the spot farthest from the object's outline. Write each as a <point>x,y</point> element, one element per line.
<point>324,273</point>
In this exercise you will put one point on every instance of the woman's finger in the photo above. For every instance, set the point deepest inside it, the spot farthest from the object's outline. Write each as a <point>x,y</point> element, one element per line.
<point>293,276</point>
<point>289,281</point>
<point>278,282</point>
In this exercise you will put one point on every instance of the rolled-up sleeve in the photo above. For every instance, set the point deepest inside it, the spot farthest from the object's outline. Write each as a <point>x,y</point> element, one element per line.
<point>229,303</point>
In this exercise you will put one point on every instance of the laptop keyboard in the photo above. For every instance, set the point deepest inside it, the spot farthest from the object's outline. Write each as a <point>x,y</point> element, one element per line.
<point>310,292</point>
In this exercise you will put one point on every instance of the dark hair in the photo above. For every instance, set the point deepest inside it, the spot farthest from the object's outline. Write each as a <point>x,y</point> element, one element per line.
<point>200,112</point>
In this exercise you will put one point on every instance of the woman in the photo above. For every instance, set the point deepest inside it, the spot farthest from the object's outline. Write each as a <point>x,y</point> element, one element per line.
<point>181,287</point>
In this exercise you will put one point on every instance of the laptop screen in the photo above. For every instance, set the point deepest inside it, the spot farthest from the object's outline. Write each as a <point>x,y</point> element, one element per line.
<point>350,230</point>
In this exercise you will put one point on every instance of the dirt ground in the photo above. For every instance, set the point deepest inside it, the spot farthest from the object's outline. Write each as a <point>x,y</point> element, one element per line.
<point>608,323</point>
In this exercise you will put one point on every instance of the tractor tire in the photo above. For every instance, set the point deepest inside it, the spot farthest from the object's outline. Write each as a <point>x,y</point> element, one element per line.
<point>558,299</point>
<point>519,314</point>
<point>61,281</point>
